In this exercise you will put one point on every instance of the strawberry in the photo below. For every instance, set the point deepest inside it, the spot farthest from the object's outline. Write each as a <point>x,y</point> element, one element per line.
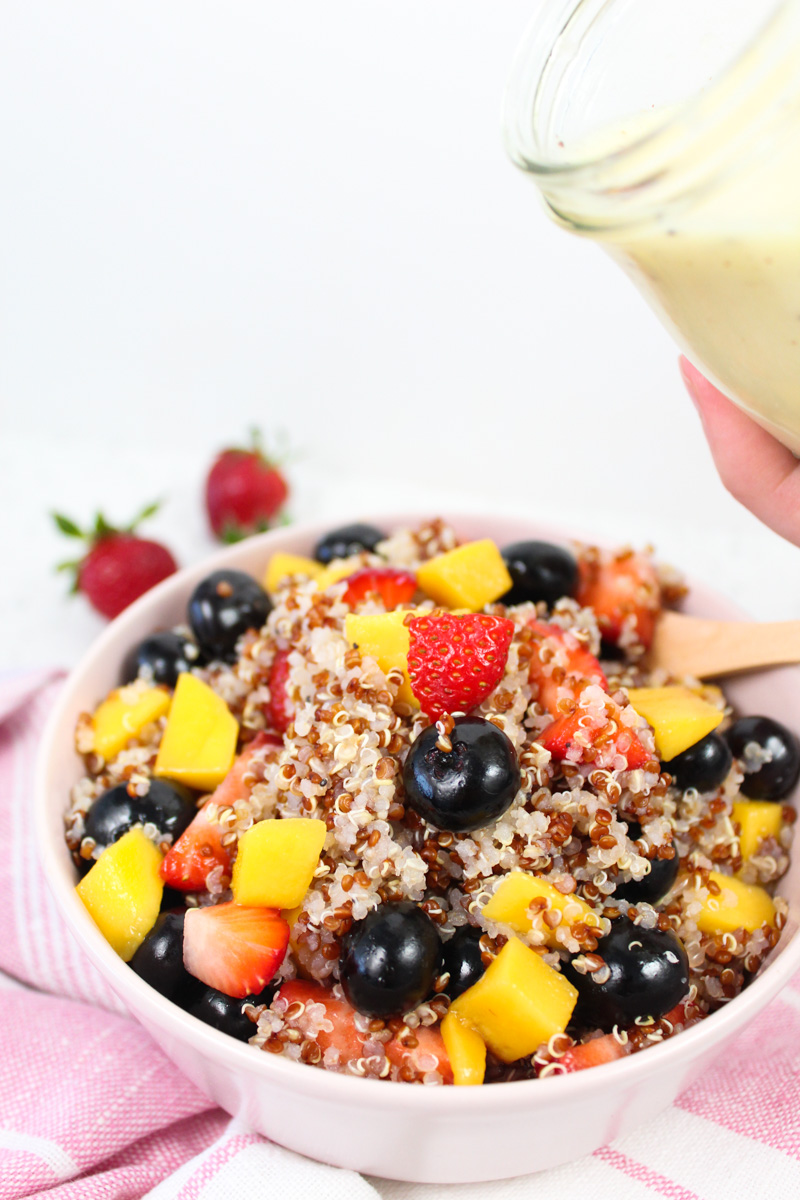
<point>199,849</point>
<point>559,661</point>
<point>454,662</point>
<point>623,590</point>
<point>559,739</point>
<point>279,710</point>
<point>413,1061</point>
<point>592,1053</point>
<point>119,566</point>
<point>232,948</point>
<point>244,492</point>
<point>392,586</point>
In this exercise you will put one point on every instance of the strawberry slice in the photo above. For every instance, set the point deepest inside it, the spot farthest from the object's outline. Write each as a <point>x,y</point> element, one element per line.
<point>428,1055</point>
<point>623,590</point>
<point>592,1053</point>
<point>415,1062</point>
<point>232,948</point>
<point>454,662</point>
<point>279,710</point>
<point>344,1036</point>
<point>199,849</point>
<point>560,661</point>
<point>560,739</point>
<point>390,584</point>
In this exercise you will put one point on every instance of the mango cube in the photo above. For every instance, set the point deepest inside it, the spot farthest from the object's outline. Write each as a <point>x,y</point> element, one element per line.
<point>511,902</point>
<point>384,637</point>
<point>466,1050</point>
<point>759,819</point>
<point>518,1003</point>
<point>470,576</point>
<point>281,566</point>
<point>122,891</point>
<point>751,909</point>
<point>276,862</point>
<point>124,713</point>
<point>679,717</point>
<point>199,742</point>
<point>333,574</point>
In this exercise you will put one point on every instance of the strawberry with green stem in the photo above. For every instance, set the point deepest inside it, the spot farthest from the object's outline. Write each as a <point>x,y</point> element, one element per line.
<point>245,491</point>
<point>118,566</point>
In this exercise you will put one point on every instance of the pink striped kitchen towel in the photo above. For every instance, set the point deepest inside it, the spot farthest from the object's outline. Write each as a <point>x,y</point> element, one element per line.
<point>90,1108</point>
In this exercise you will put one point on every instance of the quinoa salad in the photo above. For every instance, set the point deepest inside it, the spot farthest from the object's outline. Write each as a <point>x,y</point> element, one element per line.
<point>414,808</point>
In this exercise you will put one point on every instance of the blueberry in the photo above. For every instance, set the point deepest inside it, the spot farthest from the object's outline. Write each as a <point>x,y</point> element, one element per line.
<point>648,973</point>
<point>168,808</point>
<point>159,960</point>
<point>161,658</point>
<point>704,766</point>
<point>225,1012</point>
<point>462,959</point>
<point>350,539</point>
<point>390,960</point>
<point>223,606</point>
<point>467,787</point>
<point>656,883</point>
<point>776,777</point>
<point>540,571</point>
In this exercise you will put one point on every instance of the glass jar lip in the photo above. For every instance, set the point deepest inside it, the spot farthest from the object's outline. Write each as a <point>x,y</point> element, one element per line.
<point>696,115</point>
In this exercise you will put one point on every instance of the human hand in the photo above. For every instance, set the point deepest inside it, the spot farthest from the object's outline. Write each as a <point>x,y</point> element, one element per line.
<point>755,468</point>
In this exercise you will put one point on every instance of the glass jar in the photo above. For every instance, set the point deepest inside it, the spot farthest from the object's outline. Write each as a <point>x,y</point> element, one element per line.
<point>669,132</point>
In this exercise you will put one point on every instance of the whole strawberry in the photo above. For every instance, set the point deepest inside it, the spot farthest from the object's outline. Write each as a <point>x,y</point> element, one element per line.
<point>244,492</point>
<point>119,566</point>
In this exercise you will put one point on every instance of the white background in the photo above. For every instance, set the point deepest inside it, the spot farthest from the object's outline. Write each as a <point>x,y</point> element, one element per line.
<point>301,215</point>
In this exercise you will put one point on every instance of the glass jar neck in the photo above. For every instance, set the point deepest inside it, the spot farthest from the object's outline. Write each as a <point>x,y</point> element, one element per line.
<point>649,158</point>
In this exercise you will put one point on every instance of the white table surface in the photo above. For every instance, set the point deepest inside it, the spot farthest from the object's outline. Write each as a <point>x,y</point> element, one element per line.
<point>302,216</point>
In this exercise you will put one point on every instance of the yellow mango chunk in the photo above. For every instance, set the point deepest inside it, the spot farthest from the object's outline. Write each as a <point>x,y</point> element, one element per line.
<point>122,892</point>
<point>679,717</point>
<point>276,862</point>
<point>518,1003</point>
<point>124,713</point>
<point>466,1050</point>
<point>199,742</point>
<point>759,819</point>
<point>333,574</point>
<point>470,576</point>
<point>384,637</point>
<point>281,566</point>
<point>511,902</point>
<point>752,908</point>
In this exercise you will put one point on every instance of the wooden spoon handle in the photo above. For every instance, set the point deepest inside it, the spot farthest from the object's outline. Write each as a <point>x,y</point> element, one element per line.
<point>694,646</point>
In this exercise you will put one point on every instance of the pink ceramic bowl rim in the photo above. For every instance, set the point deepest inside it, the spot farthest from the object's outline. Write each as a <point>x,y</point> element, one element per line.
<point>327,1086</point>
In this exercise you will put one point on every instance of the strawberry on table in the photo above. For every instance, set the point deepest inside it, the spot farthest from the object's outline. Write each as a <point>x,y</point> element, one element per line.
<point>392,585</point>
<point>234,949</point>
<point>245,492</point>
<point>623,589</point>
<point>455,662</point>
<point>119,566</point>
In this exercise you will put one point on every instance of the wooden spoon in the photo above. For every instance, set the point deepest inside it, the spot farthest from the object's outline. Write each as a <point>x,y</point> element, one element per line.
<point>695,646</point>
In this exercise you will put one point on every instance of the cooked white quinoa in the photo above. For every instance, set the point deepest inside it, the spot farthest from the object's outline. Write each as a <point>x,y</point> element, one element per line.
<point>342,759</point>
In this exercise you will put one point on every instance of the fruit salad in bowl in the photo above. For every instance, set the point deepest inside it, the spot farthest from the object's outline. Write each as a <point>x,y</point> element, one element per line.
<point>403,804</point>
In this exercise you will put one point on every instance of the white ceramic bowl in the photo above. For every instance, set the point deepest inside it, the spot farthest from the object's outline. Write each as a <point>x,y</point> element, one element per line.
<point>443,1135</point>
